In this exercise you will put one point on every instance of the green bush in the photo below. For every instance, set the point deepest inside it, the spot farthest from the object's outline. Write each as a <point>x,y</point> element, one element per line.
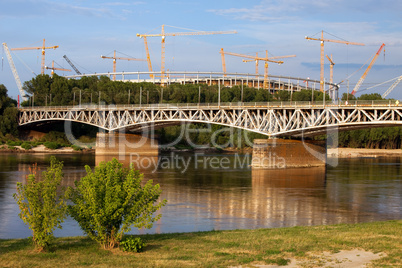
<point>110,199</point>
<point>26,146</point>
<point>42,204</point>
<point>131,244</point>
<point>76,148</point>
<point>14,143</point>
<point>51,145</point>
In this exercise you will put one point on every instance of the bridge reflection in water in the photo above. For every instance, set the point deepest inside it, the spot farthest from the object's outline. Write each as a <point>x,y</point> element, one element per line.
<point>206,197</point>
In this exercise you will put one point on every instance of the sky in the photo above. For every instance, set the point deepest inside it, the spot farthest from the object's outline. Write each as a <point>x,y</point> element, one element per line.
<point>86,29</point>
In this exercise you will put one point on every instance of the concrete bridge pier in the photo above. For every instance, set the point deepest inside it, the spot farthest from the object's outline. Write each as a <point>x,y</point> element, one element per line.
<point>121,145</point>
<point>284,153</point>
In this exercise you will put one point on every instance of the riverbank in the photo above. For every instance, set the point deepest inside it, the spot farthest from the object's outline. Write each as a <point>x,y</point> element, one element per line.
<point>42,149</point>
<point>345,245</point>
<point>337,152</point>
<point>359,152</point>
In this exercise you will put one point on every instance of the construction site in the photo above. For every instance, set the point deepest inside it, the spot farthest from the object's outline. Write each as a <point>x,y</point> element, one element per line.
<point>256,79</point>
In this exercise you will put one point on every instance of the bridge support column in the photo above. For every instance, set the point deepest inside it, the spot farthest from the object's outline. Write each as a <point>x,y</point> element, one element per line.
<point>281,153</point>
<point>121,144</point>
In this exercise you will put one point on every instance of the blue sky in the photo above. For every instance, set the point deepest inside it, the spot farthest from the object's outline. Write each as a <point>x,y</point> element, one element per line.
<point>86,29</point>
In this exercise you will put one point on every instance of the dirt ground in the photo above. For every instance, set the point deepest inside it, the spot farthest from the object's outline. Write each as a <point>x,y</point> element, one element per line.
<point>343,259</point>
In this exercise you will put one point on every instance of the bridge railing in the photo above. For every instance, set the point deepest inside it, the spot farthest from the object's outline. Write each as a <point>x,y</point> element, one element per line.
<point>238,105</point>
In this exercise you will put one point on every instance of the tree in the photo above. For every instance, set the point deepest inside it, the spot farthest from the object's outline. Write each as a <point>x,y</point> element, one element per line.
<point>346,96</point>
<point>372,96</point>
<point>42,205</point>
<point>110,199</point>
<point>8,121</point>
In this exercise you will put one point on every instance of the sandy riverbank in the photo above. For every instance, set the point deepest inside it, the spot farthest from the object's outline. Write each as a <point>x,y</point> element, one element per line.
<point>358,152</point>
<point>43,149</point>
<point>338,152</point>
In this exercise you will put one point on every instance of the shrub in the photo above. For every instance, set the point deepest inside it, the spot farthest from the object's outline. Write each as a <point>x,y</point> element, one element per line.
<point>76,148</point>
<point>26,146</point>
<point>41,205</point>
<point>111,199</point>
<point>133,244</point>
<point>51,145</point>
<point>14,143</point>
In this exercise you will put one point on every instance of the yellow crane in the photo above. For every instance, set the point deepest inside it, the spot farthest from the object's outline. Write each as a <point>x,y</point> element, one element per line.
<point>256,62</point>
<point>360,82</point>
<point>322,40</point>
<point>54,68</point>
<point>163,34</point>
<point>266,56</point>
<point>43,47</point>
<point>256,58</point>
<point>331,69</point>
<point>118,58</point>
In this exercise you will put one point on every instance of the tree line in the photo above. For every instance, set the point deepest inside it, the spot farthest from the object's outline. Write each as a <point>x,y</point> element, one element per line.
<point>44,90</point>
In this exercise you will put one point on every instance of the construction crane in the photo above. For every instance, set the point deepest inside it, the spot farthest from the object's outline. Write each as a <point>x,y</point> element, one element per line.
<point>360,82</point>
<point>266,59</point>
<point>163,34</point>
<point>322,40</point>
<point>266,56</point>
<point>331,69</point>
<point>71,64</point>
<point>43,48</point>
<point>389,90</point>
<point>14,71</point>
<point>256,62</point>
<point>54,68</point>
<point>118,58</point>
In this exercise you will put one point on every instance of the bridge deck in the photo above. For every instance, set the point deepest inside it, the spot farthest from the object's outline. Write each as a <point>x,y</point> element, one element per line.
<point>272,119</point>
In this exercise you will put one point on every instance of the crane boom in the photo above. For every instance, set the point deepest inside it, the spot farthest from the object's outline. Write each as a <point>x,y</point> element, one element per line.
<point>71,64</point>
<point>54,68</point>
<point>163,34</point>
<point>256,58</point>
<point>114,58</point>
<point>43,47</point>
<point>14,71</point>
<point>148,57</point>
<point>360,82</point>
<point>322,40</point>
<point>251,57</point>
<point>389,90</point>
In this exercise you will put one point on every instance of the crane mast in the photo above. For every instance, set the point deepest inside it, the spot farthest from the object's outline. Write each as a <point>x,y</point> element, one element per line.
<point>43,48</point>
<point>163,35</point>
<point>14,71</point>
<point>322,40</point>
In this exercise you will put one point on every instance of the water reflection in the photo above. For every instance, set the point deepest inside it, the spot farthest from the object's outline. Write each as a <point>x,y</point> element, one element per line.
<point>207,192</point>
<point>142,163</point>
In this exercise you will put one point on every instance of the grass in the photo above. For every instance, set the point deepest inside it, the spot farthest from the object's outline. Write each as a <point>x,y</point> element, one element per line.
<point>217,248</point>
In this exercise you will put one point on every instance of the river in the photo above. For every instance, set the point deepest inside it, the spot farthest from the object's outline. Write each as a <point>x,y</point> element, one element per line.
<point>220,192</point>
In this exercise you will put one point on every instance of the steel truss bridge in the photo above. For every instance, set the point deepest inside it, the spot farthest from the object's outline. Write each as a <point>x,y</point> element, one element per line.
<point>273,119</point>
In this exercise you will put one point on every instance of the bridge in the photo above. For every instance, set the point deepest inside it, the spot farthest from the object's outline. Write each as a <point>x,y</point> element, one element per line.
<point>274,119</point>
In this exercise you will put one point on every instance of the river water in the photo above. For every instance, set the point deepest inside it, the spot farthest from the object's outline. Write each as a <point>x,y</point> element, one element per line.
<point>221,192</point>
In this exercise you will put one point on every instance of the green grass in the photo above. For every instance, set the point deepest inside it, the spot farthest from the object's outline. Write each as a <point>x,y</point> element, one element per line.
<point>216,248</point>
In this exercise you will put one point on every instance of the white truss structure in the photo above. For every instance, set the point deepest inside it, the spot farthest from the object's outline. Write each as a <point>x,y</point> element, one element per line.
<point>272,119</point>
